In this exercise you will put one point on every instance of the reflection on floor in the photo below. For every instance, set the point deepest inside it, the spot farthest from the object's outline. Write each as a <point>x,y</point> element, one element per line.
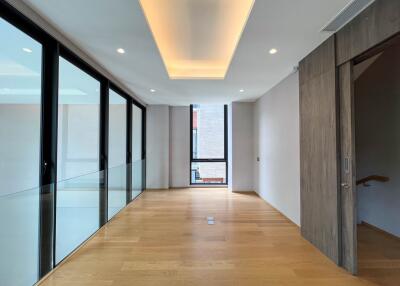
<point>378,257</point>
<point>163,239</point>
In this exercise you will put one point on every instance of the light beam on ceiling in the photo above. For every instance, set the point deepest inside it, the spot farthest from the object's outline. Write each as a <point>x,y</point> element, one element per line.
<point>197,38</point>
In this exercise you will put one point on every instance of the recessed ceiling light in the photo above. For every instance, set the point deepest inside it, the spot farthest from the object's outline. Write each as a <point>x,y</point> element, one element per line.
<point>152,90</point>
<point>273,51</point>
<point>26,50</point>
<point>241,90</point>
<point>121,51</point>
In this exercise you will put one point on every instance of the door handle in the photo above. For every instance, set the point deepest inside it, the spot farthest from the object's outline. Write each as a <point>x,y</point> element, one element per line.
<point>44,167</point>
<point>345,185</point>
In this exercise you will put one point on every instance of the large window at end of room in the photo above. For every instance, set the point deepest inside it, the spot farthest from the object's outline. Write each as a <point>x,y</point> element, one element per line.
<point>208,144</point>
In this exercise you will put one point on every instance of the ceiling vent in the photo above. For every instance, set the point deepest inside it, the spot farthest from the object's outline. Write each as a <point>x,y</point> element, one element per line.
<point>352,9</point>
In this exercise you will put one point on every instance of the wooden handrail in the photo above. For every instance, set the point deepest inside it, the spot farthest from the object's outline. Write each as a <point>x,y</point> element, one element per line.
<point>372,178</point>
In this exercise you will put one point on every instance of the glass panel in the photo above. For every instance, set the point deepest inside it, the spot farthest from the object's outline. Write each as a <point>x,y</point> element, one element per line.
<point>19,232</point>
<point>208,173</point>
<point>116,189</point>
<point>78,154</point>
<point>77,212</point>
<point>137,168</point>
<point>20,99</point>
<point>137,173</point>
<point>117,153</point>
<point>136,133</point>
<point>208,131</point>
<point>78,122</point>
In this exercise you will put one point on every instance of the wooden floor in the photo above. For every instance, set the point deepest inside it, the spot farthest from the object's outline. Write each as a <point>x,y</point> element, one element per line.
<point>163,239</point>
<point>378,257</point>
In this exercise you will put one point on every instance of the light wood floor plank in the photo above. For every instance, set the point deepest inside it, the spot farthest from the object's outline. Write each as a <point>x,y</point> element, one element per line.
<point>163,238</point>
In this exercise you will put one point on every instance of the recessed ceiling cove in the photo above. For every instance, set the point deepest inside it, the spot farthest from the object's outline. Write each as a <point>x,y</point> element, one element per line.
<point>197,38</point>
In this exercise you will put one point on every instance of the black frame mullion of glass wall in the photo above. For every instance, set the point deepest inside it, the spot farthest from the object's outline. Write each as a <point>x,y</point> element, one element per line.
<point>209,160</point>
<point>52,50</point>
<point>144,130</point>
<point>48,156</point>
<point>103,162</point>
<point>129,166</point>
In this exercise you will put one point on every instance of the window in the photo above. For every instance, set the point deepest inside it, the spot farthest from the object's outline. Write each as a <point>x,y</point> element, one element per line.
<point>20,120</point>
<point>77,201</point>
<point>116,153</point>
<point>208,144</point>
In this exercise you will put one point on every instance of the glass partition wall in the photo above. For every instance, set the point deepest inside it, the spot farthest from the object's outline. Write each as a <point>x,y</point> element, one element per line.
<point>72,151</point>
<point>20,104</point>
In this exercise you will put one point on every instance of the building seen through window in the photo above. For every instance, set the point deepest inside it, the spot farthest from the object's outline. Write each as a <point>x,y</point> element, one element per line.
<point>208,154</point>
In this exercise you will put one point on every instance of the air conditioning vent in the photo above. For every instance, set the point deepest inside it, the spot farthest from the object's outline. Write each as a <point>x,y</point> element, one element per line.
<point>354,8</point>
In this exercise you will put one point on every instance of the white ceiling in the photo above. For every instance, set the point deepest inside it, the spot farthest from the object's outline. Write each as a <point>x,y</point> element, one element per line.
<point>99,27</point>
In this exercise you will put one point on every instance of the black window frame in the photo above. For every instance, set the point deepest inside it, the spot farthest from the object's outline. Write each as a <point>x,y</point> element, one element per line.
<point>52,49</point>
<point>209,160</point>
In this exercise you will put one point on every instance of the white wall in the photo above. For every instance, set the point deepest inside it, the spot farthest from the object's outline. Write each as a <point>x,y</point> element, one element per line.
<point>179,146</point>
<point>157,152</point>
<point>240,146</point>
<point>277,144</point>
<point>167,147</point>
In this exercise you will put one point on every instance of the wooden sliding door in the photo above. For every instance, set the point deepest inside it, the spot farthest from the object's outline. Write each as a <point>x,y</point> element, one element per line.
<point>319,150</point>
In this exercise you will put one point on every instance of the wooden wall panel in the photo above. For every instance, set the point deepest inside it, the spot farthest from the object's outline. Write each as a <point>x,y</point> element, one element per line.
<point>319,149</point>
<point>375,24</point>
